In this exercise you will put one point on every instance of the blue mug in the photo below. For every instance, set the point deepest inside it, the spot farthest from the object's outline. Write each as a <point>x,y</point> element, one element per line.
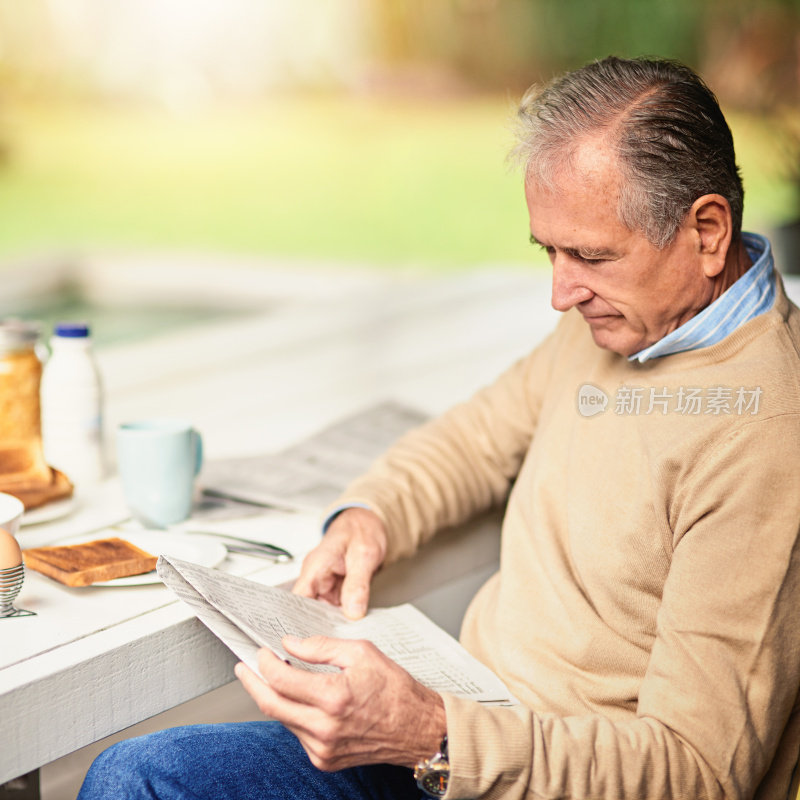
<point>158,461</point>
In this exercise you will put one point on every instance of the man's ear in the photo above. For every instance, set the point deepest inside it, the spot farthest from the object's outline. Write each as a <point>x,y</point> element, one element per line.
<point>710,216</point>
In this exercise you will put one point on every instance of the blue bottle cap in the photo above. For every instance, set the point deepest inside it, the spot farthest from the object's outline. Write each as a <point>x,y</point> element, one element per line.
<point>71,330</point>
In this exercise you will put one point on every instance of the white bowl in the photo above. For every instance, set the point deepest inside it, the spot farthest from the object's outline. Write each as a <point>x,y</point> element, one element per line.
<point>11,511</point>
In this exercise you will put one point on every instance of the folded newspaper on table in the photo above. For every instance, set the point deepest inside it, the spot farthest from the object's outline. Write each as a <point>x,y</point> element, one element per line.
<point>313,473</point>
<point>247,615</point>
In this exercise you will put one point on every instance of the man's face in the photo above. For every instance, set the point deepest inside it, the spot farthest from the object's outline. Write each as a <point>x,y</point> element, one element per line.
<point>630,293</point>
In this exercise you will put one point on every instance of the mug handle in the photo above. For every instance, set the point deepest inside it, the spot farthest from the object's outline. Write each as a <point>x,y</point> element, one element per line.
<point>198,463</point>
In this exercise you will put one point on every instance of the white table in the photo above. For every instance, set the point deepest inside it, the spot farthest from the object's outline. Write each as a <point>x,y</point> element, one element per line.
<point>95,661</point>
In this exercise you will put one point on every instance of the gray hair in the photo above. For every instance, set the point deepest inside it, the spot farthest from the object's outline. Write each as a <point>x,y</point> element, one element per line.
<point>672,142</point>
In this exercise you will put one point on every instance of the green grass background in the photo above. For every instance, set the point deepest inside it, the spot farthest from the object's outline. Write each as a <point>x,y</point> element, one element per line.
<point>382,182</point>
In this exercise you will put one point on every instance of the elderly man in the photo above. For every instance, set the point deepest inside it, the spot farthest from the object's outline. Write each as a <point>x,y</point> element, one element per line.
<point>648,452</point>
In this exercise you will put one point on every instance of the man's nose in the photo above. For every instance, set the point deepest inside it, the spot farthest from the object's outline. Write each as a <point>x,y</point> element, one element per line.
<point>568,288</point>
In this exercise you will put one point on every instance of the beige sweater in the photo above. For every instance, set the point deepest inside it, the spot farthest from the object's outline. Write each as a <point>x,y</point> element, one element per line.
<point>647,608</point>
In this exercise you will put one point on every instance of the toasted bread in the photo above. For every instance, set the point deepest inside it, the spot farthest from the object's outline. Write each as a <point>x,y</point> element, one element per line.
<point>22,463</point>
<point>92,562</point>
<point>36,493</point>
<point>25,474</point>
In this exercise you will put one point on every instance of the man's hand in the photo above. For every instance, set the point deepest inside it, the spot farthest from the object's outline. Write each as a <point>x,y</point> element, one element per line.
<point>371,712</point>
<point>339,569</point>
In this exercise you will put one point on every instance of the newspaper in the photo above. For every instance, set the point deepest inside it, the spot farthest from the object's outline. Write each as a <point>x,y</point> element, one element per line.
<point>247,615</point>
<point>311,474</point>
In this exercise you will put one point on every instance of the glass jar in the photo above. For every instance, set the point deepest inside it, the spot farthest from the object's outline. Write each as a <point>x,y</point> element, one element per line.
<point>21,452</point>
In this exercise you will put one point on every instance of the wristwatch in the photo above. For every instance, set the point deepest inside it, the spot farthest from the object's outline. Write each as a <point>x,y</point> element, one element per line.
<point>432,774</point>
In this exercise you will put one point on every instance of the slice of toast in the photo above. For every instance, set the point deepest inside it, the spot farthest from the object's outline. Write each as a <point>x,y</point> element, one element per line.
<point>22,462</point>
<point>92,562</point>
<point>37,493</point>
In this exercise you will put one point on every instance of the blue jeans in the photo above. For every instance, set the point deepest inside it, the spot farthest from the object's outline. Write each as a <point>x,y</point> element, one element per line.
<point>233,761</point>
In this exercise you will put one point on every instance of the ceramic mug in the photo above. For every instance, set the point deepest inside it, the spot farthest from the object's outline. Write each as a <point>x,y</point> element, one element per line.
<point>158,461</point>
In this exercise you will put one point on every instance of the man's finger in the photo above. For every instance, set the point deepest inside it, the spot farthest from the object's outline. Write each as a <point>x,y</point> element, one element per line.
<point>248,678</point>
<point>354,597</point>
<point>361,566</point>
<point>295,684</point>
<point>294,712</point>
<point>318,567</point>
<point>257,687</point>
<point>322,650</point>
<point>315,585</point>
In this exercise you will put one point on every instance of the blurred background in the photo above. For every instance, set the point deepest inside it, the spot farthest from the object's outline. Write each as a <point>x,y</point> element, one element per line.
<point>365,133</point>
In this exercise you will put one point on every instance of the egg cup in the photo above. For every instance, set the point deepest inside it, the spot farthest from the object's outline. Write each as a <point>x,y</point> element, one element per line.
<point>10,584</point>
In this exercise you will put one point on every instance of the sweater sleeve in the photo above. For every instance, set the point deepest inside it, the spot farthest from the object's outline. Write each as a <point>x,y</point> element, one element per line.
<point>458,465</point>
<point>723,675</point>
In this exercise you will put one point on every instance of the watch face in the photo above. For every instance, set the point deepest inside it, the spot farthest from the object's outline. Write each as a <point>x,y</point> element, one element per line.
<point>434,782</point>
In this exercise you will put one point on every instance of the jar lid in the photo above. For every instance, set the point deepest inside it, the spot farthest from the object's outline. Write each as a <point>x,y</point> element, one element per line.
<point>18,334</point>
<point>71,330</point>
